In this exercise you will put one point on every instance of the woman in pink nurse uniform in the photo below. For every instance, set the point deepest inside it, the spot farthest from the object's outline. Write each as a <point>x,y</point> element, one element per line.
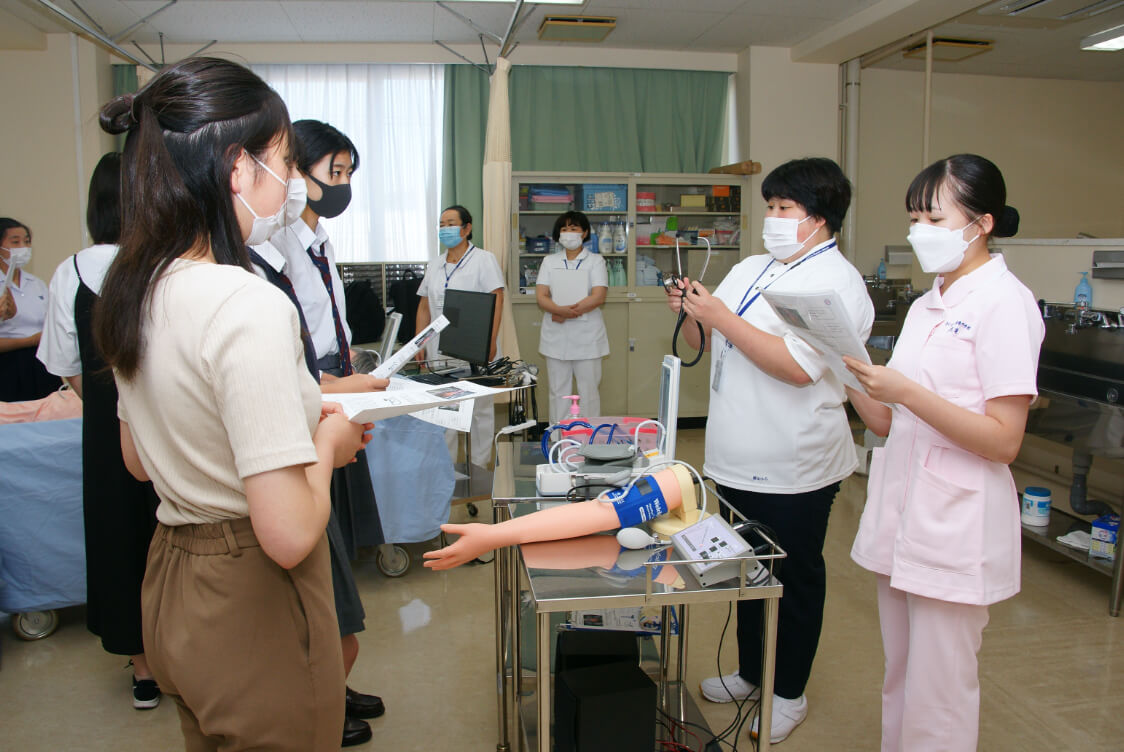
<point>941,523</point>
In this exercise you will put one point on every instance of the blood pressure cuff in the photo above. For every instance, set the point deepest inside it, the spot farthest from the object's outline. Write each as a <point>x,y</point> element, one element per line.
<point>639,503</point>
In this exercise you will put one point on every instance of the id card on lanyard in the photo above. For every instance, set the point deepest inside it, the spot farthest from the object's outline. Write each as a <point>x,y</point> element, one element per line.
<point>747,301</point>
<point>439,294</point>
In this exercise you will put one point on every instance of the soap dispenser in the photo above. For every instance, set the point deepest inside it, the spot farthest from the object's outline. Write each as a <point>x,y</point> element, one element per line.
<point>1083,294</point>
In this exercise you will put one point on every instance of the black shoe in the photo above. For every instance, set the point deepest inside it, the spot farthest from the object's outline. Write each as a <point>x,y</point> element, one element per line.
<point>360,705</point>
<point>146,694</point>
<point>355,732</point>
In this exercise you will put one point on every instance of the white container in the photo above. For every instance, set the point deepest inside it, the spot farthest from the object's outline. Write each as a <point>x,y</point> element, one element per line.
<point>1036,506</point>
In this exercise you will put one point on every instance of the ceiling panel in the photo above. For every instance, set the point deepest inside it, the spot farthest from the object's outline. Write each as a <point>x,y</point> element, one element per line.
<point>203,20</point>
<point>835,9</point>
<point>735,33</point>
<point>352,21</point>
<point>601,7</point>
<point>669,30</point>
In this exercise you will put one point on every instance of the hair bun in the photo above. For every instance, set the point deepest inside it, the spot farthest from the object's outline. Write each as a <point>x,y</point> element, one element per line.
<point>117,115</point>
<point>1007,223</point>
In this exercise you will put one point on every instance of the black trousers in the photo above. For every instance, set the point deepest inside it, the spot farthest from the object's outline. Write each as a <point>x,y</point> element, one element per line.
<point>800,522</point>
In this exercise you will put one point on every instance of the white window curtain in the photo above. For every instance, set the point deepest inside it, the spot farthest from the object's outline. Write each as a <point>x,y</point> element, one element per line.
<point>394,115</point>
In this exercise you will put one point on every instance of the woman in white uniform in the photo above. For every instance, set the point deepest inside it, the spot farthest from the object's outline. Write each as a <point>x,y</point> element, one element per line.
<point>777,438</point>
<point>23,308</point>
<point>570,289</point>
<point>463,267</point>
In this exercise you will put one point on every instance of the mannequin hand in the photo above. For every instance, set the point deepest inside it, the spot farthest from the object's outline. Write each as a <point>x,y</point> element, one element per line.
<point>881,383</point>
<point>702,306</point>
<point>475,539</point>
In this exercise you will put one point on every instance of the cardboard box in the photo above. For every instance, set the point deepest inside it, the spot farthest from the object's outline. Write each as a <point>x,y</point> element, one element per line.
<point>692,200</point>
<point>1105,531</point>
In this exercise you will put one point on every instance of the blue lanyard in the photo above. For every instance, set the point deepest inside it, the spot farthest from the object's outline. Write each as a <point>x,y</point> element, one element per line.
<point>566,263</point>
<point>744,305</point>
<point>449,275</point>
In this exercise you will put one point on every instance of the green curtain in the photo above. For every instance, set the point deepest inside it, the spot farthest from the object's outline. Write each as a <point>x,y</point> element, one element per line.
<point>465,122</point>
<point>124,82</point>
<point>570,119</point>
<point>616,119</point>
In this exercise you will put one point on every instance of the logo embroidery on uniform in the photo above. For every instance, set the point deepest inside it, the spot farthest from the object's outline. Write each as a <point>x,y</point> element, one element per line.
<point>954,327</point>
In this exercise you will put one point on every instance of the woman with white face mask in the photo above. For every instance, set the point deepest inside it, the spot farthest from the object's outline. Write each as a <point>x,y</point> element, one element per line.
<point>941,524</point>
<point>23,309</point>
<point>573,338</point>
<point>777,438</point>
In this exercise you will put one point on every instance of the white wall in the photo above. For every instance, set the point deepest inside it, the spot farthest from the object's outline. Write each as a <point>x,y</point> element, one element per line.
<point>788,110</point>
<point>49,124</point>
<point>1057,143</point>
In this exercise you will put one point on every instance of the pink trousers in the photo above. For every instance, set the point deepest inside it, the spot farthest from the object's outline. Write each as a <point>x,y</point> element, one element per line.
<point>931,692</point>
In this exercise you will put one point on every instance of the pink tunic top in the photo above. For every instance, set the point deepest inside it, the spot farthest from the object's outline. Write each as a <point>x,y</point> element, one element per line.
<point>940,521</point>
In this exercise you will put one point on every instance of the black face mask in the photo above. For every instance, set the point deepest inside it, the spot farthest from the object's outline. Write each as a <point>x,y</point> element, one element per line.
<point>333,202</point>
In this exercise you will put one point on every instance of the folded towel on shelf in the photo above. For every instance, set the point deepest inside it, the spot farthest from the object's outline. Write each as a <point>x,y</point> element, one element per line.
<point>1078,539</point>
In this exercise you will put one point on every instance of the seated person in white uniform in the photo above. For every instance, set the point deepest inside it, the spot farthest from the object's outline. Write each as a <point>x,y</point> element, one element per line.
<point>23,308</point>
<point>463,267</point>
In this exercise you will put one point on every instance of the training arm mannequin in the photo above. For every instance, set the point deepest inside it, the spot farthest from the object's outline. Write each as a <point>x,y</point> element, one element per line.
<point>649,497</point>
<point>595,551</point>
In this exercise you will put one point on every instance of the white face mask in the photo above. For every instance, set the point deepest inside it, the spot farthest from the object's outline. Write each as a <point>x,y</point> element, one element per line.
<point>18,257</point>
<point>265,227</point>
<point>779,234</point>
<point>939,250</point>
<point>296,198</point>
<point>570,240</point>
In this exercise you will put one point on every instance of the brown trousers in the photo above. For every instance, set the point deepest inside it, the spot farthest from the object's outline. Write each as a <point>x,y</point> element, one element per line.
<point>249,652</point>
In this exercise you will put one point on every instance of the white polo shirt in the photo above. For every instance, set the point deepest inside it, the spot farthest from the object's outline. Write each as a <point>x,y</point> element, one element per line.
<point>477,271</point>
<point>764,434</point>
<point>30,296</point>
<point>293,243</point>
<point>583,337</point>
<point>58,347</point>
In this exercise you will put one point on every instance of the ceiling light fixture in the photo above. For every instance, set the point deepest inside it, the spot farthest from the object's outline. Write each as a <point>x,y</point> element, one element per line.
<point>947,50</point>
<point>1109,40</point>
<point>576,28</point>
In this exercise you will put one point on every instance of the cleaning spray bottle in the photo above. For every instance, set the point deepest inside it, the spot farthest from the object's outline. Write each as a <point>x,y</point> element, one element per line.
<point>1083,294</point>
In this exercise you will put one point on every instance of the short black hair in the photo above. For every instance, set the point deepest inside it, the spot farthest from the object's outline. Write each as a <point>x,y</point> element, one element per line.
<point>816,183</point>
<point>316,140</point>
<point>7,223</point>
<point>974,183</point>
<point>571,218</point>
<point>103,209</point>
<point>466,218</point>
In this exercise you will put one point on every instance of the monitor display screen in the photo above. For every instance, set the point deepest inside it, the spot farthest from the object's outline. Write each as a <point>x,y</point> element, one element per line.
<point>469,333</point>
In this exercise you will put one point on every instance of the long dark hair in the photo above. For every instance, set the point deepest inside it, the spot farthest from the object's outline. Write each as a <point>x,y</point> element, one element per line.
<point>186,128</point>
<point>974,183</point>
<point>103,208</point>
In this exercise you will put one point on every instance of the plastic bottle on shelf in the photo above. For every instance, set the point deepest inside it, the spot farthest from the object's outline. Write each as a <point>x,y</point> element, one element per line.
<point>605,238</point>
<point>620,238</point>
<point>882,270</point>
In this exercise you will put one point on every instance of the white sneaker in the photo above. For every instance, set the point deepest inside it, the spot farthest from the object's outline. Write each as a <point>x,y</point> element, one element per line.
<point>787,715</point>
<point>728,688</point>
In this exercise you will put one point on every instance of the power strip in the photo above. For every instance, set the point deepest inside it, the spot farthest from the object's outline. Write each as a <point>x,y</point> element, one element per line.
<point>715,541</point>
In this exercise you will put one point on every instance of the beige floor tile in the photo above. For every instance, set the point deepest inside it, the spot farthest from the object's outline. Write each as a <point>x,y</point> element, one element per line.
<point>1051,667</point>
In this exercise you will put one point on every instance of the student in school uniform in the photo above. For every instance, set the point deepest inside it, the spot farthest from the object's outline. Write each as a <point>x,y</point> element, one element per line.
<point>23,308</point>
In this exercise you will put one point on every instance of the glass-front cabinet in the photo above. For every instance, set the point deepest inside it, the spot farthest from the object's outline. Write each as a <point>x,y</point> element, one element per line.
<point>647,227</point>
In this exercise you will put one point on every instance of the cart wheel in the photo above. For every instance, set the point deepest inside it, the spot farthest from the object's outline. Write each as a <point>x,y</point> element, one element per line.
<point>393,564</point>
<point>472,510</point>
<point>35,625</point>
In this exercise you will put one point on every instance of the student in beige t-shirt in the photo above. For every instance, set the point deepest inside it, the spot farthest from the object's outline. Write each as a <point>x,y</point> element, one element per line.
<point>218,410</point>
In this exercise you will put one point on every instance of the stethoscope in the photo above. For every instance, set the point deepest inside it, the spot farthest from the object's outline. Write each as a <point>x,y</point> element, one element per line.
<point>671,283</point>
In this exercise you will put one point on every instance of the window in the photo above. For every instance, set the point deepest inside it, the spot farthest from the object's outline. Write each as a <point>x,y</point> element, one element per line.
<point>394,115</point>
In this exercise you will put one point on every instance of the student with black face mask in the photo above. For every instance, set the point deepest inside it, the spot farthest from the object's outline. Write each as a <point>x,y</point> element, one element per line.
<point>299,260</point>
